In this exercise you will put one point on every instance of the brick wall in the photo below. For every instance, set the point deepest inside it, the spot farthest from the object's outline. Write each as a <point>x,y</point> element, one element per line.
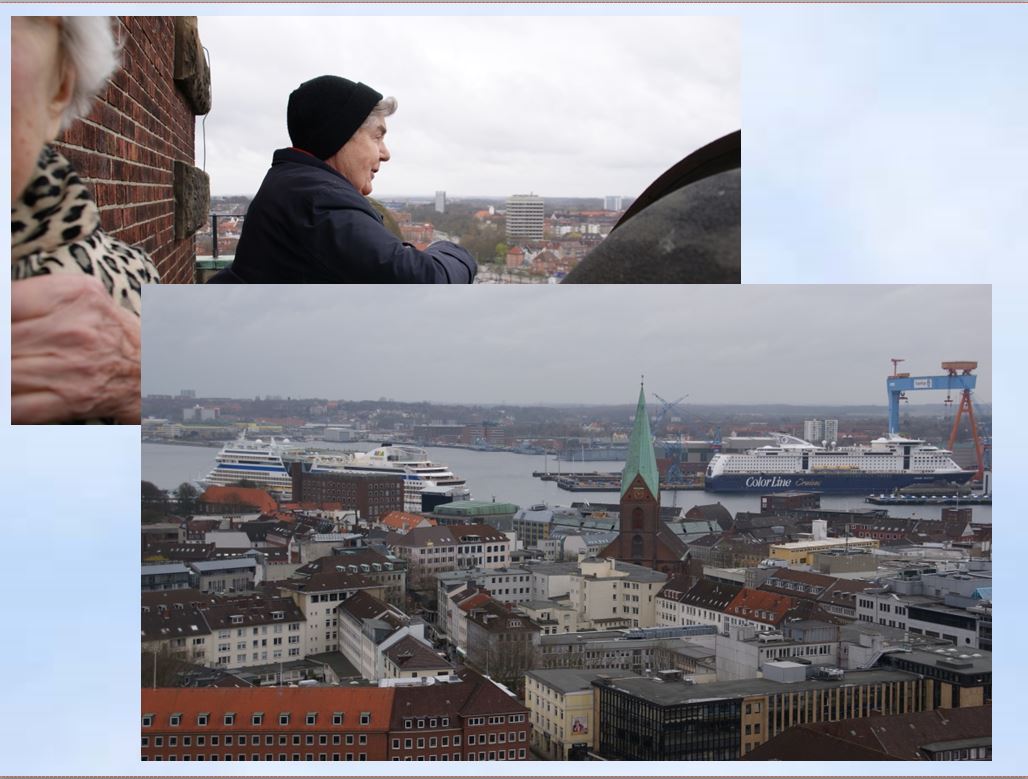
<point>126,147</point>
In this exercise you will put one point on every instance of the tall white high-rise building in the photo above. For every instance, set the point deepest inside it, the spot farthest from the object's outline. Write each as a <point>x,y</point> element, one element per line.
<point>612,203</point>
<point>525,217</point>
<point>832,431</point>
<point>440,201</point>
<point>813,431</point>
<point>818,430</point>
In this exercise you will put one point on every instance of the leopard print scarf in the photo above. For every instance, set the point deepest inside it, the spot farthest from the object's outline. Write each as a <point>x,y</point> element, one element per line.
<point>55,228</point>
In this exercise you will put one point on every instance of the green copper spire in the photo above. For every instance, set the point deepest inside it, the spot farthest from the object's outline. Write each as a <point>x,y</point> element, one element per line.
<point>641,459</point>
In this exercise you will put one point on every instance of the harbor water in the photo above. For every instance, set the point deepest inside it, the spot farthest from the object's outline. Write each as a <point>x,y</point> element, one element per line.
<point>507,477</point>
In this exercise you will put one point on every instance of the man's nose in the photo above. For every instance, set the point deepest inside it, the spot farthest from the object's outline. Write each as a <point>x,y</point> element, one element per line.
<point>383,153</point>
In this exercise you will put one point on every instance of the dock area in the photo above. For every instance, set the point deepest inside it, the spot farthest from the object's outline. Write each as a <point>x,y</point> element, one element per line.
<point>930,500</point>
<point>596,481</point>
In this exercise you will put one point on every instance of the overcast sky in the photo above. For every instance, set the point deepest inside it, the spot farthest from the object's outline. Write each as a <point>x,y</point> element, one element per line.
<point>532,344</point>
<point>885,143</point>
<point>559,106</point>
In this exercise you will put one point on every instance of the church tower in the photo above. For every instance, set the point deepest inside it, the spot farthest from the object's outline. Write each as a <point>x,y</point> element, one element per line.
<point>640,493</point>
<point>642,538</point>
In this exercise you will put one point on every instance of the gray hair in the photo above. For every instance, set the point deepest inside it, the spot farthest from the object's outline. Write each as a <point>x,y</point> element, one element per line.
<point>88,44</point>
<point>385,107</point>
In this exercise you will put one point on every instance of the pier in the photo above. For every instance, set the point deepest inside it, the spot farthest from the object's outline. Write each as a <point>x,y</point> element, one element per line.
<point>930,500</point>
<point>595,481</point>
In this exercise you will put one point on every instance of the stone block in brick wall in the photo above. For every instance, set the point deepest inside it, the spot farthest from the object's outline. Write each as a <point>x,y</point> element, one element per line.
<point>192,75</point>
<point>192,199</point>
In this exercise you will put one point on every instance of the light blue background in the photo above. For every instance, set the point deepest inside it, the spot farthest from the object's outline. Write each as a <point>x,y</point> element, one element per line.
<point>881,145</point>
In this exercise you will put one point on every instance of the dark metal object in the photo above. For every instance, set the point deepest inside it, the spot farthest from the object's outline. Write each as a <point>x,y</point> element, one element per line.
<point>684,229</point>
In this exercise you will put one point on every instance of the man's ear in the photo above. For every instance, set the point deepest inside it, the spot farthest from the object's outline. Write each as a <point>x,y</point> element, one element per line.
<point>64,88</point>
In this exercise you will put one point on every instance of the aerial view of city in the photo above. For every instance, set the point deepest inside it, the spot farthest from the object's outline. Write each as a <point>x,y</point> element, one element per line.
<point>632,545</point>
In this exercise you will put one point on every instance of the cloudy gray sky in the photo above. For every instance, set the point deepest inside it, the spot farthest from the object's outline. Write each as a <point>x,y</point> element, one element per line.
<point>560,106</point>
<point>516,344</point>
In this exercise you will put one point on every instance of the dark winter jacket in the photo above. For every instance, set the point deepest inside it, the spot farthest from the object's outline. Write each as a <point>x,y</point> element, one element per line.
<point>308,224</point>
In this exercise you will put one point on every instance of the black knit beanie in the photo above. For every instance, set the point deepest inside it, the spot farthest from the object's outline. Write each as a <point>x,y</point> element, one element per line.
<point>326,111</point>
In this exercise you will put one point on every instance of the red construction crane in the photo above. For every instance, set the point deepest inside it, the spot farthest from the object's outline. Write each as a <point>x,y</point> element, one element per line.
<point>964,369</point>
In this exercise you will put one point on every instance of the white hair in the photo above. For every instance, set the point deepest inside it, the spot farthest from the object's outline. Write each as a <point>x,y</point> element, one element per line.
<point>385,107</point>
<point>88,44</point>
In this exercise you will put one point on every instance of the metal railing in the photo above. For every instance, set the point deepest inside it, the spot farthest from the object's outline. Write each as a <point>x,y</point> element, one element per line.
<point>214,230</point>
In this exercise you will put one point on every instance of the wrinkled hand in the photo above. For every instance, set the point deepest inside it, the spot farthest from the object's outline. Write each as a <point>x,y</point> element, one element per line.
<point>74,352</point>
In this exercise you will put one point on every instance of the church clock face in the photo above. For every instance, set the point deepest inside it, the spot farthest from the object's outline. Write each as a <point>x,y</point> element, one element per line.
<point>638,493</point>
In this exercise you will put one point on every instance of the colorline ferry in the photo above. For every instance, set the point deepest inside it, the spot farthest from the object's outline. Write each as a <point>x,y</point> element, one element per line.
<point>791,463</point>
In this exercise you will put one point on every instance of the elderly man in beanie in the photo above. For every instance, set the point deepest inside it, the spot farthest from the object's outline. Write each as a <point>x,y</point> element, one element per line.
<point>311,221</point>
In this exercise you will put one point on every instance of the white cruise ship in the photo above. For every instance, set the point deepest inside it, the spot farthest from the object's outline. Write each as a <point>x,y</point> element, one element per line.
<point>255,462</point>
<point>410,461</point>
<point>791,463</point>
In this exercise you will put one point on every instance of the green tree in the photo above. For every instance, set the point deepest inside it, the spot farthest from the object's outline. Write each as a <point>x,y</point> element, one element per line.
<point>154,500</point>
<point>185,498</point>
<point>167,671</point>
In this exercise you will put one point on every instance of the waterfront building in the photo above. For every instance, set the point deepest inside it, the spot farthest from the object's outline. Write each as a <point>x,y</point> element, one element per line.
<point>534,524</point>
<point>372,495</point>
<point>464,512</point>
<point>525,216</point>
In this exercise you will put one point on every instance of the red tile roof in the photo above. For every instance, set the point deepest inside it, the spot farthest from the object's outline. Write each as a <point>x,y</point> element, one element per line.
<point>271,702</point>
<point>475,601</point>
<point>767,607</point>
<point>402,521</point>
<point>246,496</point>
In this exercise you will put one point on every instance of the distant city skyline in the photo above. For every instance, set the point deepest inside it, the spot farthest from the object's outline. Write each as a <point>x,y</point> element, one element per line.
<point>488,106</point>
<point>496,344</point>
